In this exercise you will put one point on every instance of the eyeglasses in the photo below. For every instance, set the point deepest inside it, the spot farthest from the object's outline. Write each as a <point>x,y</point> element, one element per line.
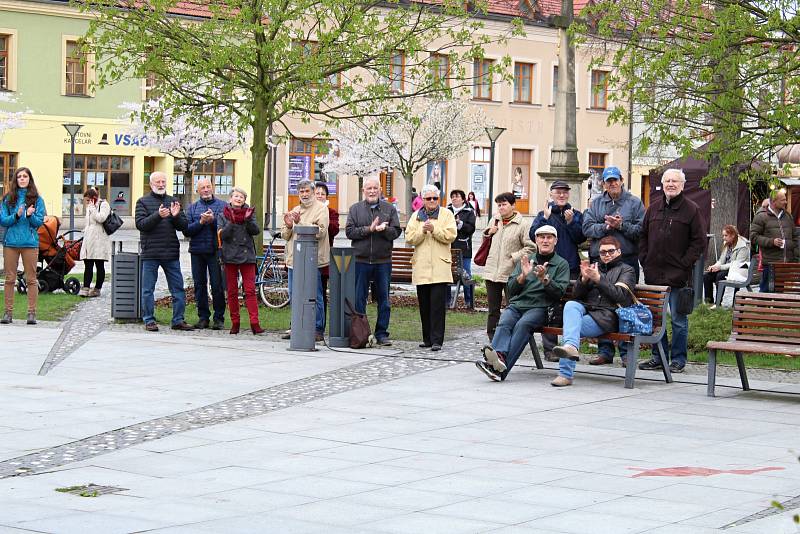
<point>608,252</point>
<point>431,198</point>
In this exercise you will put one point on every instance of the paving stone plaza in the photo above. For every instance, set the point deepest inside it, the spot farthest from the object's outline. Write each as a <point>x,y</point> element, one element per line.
<point>204,432</point>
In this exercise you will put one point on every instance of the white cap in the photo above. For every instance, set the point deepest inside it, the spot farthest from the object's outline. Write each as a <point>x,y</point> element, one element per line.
<point>546,229</point>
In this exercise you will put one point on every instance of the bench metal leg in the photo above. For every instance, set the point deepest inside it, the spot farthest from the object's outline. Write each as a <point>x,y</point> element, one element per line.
<point>664,365</point>
<point>720,293</point>
<point>712,371</point>
<point>454,300</point>
<point>535,352</point>
<point>631,364</point>
<point>742,372</point>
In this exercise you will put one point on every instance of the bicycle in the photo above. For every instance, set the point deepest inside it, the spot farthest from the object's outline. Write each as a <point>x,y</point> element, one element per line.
<point>272,280</point>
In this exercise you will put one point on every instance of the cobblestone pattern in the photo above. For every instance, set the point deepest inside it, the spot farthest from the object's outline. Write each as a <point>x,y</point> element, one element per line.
<point>791,504</point>
<point>250,405</point>
<point>88,319</point>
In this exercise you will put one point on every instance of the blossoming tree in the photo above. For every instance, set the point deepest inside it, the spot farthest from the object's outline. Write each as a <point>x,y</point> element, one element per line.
<point>9,119</point>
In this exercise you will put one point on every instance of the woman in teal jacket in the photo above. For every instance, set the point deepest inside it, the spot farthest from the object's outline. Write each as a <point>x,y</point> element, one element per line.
<point>21,212</point>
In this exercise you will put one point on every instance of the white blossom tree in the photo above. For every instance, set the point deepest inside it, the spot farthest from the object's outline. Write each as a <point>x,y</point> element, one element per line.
<point>431,129</point>
<point>9,119</point>
<point>179,136</point>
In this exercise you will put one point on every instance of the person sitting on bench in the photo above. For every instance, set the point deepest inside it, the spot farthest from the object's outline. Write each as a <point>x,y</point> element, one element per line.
<point>598,291</point>
<point>537,283</point>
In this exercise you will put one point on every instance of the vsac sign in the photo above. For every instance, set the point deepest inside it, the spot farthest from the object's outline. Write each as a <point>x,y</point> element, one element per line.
<point>129,140</point>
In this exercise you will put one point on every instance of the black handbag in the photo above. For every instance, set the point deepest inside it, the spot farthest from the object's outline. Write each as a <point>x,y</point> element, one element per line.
<point>112,223</point>
<point>684,302</point>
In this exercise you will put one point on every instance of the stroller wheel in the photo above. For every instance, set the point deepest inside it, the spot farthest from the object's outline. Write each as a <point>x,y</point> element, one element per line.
<point>72,286</point>
<point>43,287</point>
<point>22,287</point>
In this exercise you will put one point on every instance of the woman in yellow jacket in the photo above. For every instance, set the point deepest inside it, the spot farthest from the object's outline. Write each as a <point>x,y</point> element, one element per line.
<point>431,230</point>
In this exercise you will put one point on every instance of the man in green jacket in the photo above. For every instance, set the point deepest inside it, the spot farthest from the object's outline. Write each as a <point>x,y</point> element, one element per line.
<point>537,282</point>
<point>774,232</point>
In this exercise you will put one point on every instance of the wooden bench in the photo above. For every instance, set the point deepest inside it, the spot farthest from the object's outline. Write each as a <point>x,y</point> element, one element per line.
<point>723,284</point>
<point>767,323</point>
<point>786,277</point>
<point>401,264</point>
<point>655,298</point>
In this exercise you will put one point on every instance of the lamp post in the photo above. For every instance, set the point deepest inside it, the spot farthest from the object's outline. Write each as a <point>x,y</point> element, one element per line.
<point>72,129</point>
<point>493,132</point>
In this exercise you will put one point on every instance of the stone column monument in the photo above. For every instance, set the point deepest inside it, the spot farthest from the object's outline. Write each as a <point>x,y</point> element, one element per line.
<point>564,154</point>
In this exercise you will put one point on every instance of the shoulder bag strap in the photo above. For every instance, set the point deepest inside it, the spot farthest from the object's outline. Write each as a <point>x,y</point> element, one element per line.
<point>635,300</point>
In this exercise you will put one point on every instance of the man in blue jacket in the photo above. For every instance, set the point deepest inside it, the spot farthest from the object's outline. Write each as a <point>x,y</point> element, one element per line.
<point>202,231</point>
<point>568,222</point>
<point>619,214</point>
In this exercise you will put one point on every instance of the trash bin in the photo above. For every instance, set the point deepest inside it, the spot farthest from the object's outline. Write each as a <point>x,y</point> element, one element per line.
<point>126,283</point>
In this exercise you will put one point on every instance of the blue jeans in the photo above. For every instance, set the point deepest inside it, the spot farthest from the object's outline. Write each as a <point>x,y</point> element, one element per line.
<point>514,331</point>
<point>380,273</point>
<point>766,276</point>
<point>172,270</point>
<point>604,347</point>
<point>577,324</point>
<point>205,268</point>
<point>320,303</point>
<point>680,335</point>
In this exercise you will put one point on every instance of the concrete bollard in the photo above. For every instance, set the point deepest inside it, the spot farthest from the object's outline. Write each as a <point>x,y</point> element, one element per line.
<point>304,289</point>
<point>343,286</point>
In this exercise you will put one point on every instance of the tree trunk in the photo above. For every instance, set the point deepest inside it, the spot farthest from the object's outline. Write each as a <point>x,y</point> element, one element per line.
<point>725,202</point>
<point>408,177</point>
<point>258,150</point>
<point>185,198</point>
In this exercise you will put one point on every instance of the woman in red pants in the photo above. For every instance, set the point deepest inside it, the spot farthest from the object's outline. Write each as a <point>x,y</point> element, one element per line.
<point>237,226</point>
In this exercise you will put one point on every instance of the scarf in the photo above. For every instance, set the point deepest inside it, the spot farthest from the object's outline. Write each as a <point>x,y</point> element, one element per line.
<point>508,219</point>
<point>423,215</point>
<point>237,215</point>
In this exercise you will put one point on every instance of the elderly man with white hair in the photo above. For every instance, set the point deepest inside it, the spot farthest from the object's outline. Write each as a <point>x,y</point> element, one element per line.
<point>672,240</point>
<point>158,217</point>
<point>202,233</point>
<point>372,226</point>
<point>430,231</point>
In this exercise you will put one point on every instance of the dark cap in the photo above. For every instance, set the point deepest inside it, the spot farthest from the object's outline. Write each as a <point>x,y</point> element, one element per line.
<point>560,184</point>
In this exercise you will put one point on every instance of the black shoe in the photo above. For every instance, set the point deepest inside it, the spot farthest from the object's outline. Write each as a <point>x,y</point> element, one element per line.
<point>31,318</point>
<point>384,342</point>
<point>488,371</point>
<point>218,325</point>
<point>151,327</point>
<point>202,324</point>
<point>436,348</point>
<point>550,357</point>
<point>424,345</point>
<point>183,326</point>
<point>319,338</point>
<point>7,319</point>
<point>650,365</point>
<point>675,367</point>
<point>494,358</point>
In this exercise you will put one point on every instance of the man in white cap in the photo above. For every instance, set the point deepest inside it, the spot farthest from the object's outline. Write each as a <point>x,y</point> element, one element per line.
<point>537,282</point>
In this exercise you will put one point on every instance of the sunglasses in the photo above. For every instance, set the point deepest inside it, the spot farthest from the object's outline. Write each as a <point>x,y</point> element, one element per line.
<point>608,252</point>
<point>431,198</point>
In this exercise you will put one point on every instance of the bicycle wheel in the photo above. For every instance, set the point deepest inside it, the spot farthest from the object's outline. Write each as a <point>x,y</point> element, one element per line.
<point>273,287</point>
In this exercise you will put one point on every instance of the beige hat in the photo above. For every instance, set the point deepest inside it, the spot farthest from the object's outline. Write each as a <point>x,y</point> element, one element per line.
<point>546,229</point>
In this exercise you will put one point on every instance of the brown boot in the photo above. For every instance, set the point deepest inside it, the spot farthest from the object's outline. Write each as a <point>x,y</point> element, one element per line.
<point>256,328</point>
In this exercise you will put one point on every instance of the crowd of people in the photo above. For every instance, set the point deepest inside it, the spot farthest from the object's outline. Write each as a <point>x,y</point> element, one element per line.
<point>531,264</point>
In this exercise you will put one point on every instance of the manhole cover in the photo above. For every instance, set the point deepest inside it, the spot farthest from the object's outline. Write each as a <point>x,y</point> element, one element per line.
<point>90,490</point>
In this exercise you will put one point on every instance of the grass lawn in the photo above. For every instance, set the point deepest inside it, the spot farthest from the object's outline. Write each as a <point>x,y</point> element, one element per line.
<point>404,323</point>
<point>49,306</point>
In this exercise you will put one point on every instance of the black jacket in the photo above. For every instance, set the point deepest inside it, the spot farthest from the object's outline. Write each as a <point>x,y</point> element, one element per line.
<point>672,239</point>
<point>463,240</point>
<point>600,299</point>
<point>237,239</point>
<point>156,234</point>
<point>371,247</point>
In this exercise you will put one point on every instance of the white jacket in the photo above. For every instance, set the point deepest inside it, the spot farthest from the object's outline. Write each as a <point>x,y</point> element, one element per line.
<point>96,242</point>
<point>740,261</point>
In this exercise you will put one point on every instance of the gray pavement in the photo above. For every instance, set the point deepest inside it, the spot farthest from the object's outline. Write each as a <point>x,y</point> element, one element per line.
<point>216,433</point>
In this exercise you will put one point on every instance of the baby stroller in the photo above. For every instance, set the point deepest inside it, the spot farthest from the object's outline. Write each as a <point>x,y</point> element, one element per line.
<point>57,257</point>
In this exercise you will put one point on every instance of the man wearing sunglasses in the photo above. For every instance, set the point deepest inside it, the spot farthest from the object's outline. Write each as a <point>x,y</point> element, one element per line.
<point>598,291</point>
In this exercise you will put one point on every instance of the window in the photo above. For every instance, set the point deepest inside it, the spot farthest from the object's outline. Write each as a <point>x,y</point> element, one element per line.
<point>5,60</point>
<point>310,48</point>
<point>110,175</point>
<point>599,89</point>
<point>397,72</point>
<point>482,81</point>
<point>479,174</point>
<point>440,69</point>
<point>597,162</point>
<point>521,173</point>
<point>555,84</point>
<point>76,80</point>
<point>523,82</point>
<point>8,164</point>
<point>304,164</point>
<point>151,86</point>
<point>219,171</point>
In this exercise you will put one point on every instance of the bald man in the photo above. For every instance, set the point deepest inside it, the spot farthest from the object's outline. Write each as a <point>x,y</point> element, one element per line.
<point>158,217</point>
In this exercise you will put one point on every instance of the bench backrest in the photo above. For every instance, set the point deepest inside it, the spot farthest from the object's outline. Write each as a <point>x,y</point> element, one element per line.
<point>655,298</point>
<point>787,277</point>
<point>401,263</point>
<point>766,317</point>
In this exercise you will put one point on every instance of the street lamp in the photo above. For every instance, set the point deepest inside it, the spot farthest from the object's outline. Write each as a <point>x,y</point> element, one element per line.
<point>493,132</point>
<point>72,129</point>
